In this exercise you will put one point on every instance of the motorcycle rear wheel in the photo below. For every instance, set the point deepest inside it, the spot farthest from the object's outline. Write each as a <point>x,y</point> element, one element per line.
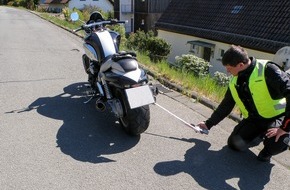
<point>134,121</point>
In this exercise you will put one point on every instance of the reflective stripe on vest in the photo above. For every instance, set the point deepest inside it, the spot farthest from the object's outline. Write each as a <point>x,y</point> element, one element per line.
<point>265,105</point>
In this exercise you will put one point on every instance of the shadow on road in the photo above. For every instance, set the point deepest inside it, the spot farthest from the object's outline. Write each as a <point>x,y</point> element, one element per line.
<point>86,134</point>
<point>214,169</point>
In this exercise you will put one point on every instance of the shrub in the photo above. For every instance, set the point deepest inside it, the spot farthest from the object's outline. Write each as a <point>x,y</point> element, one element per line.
<point>41,8</point>
<point>88,10</point>
<point>221,78</point>
<point>138,41</point>
<point>110,14</point>
<point>31,4</point>
<point>66,12</point>
<point>192,64</point>
<point>158,48</point>
<point>12,3</point>
<point>17,3</point>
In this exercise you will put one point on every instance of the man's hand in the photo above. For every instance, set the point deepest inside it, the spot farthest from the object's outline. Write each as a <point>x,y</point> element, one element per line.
<point>202,125</point>
<point>272,132</point>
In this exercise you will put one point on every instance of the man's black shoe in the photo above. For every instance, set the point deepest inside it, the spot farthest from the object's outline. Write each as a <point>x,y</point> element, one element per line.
<point>264,156</point>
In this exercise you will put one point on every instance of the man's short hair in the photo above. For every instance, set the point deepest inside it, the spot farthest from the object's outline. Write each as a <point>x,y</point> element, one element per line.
<point>235,55</point>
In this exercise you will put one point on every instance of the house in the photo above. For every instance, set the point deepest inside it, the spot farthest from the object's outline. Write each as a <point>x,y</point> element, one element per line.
<point>58,5</point>
<point>207,28</point>
<point>140,14</point>
<point>105,5</point>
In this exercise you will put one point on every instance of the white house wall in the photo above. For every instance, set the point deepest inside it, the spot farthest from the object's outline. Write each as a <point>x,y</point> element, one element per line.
<point>125,8</point>
<point>102,4</point>
<point>179,46</point>
<point>129,23</point>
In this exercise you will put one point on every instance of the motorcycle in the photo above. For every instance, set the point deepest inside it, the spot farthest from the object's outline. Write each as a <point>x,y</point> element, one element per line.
<point>115,78</point>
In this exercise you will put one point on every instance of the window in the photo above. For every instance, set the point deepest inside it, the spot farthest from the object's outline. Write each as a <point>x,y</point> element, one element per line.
<point>195,46</point>
<point>222,52</point>
<point>220,55</point>
<point>192,48</point>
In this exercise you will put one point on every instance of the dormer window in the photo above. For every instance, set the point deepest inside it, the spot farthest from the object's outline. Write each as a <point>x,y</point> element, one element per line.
<point>237,9</point>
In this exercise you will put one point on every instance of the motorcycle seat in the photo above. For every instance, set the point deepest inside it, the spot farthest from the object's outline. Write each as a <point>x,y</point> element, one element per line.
<point>124,64</point>
<point>127,60</point>
<point>128,64</point>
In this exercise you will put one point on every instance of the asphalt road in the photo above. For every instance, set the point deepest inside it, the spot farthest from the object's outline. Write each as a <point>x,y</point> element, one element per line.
<point>50,139</point>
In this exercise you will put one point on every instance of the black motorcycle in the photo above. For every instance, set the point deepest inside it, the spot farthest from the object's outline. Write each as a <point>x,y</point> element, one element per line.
<point>115,78</point>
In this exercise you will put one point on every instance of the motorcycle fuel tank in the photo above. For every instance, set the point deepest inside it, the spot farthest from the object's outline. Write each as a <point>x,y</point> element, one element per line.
<point>99,45</point>
<point>90,52</point>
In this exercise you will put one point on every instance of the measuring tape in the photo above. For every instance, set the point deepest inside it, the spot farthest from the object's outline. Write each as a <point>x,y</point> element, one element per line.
<point>195,128</point>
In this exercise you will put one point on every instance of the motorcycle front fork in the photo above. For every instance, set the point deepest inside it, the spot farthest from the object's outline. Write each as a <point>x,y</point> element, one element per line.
<point>86,63</point>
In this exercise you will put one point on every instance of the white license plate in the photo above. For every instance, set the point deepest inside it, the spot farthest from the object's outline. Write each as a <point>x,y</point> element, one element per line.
<point>139,96</point>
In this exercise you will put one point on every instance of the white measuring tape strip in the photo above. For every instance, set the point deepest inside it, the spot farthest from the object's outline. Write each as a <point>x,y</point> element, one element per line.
<point>195,128</point>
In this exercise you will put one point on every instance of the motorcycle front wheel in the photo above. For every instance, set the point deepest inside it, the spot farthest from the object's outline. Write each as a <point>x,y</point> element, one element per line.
<point>134,121</point>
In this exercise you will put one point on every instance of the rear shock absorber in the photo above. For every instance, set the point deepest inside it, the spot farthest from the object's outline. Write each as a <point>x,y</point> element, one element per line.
<point>107,90</point>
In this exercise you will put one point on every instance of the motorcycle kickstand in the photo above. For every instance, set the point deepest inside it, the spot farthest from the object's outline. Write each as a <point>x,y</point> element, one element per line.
<point>88,100</point>
<point>94,95</point>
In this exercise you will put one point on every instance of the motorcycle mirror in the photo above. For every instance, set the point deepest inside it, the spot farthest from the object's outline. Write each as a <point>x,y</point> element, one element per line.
<point>74,16</point>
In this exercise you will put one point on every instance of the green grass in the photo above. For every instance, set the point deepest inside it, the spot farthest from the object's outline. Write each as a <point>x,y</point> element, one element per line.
<point>204,86</point>
<point>60,22</point>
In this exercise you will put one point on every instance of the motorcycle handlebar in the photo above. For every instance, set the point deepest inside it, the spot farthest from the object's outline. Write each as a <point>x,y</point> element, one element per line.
<point>78,29</point>
<point>111,22</point>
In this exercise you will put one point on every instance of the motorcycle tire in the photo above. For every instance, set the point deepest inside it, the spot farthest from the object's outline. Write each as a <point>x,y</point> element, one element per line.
<point>134,121</point>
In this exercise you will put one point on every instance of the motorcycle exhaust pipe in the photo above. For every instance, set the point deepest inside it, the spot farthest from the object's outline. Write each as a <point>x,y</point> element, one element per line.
<point>100,106</point>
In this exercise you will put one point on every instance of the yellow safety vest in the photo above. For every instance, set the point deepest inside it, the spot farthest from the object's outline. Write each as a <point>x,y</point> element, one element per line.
<point>265,105</point>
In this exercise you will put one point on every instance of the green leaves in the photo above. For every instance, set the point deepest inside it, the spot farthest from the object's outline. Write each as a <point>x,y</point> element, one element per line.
<point>192,64</point>
<point>221,78</point>
<point>158,46</point>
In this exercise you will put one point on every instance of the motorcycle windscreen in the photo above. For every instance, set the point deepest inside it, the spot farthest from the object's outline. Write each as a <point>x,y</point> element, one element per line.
<point>139,96</point>
<point>107,43</point>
